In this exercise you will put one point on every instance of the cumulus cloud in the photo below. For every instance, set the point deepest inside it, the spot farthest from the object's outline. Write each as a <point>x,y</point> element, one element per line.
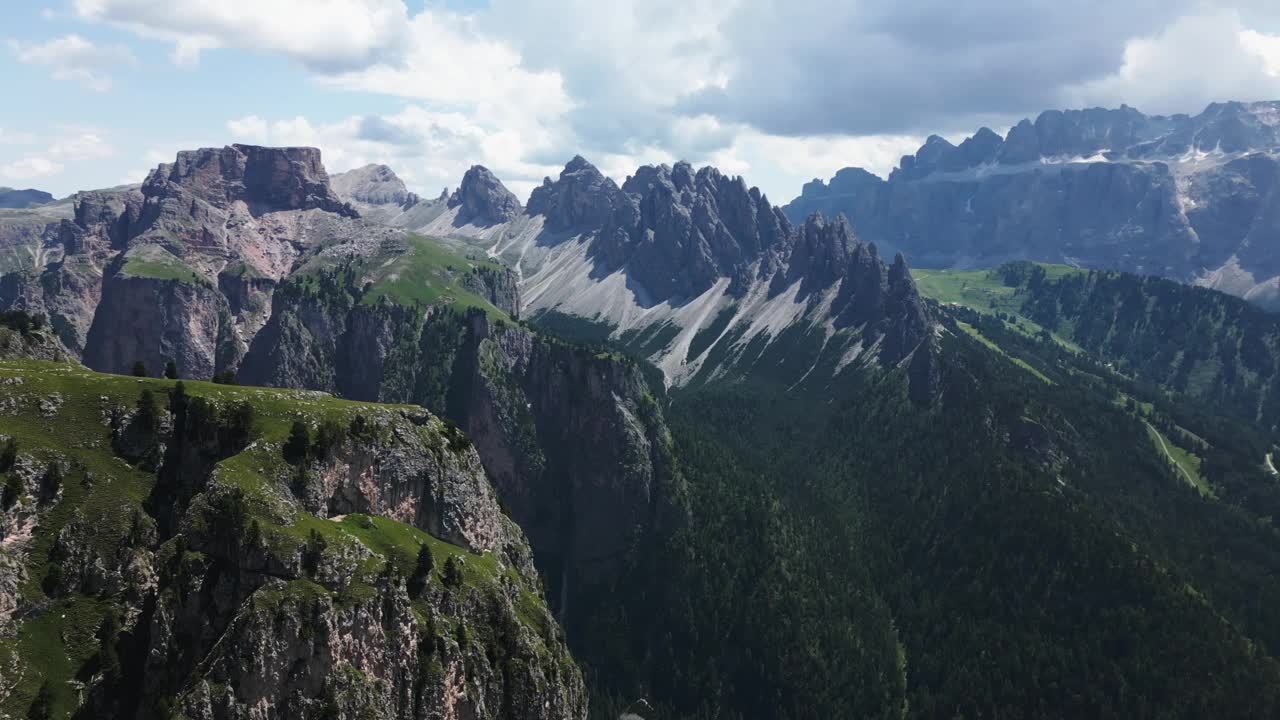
<point>866,68</point>
<point>72,57</point>
<point>1198,59</point>
<point>30,168</point>
<point>428,149</point>
<point>70,144</point>
<point>330,36</point>
<point>778,90</point>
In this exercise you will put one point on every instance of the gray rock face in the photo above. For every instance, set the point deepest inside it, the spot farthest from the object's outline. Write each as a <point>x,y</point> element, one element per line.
<point>636,257</point>
<point>183,267</point>
<point>695,227</point>
<point>1179,196</point>
<point>373,185</point>
<point>575,444</point>
<point>581,200</point>
<point>40,344</point>
<point>265,179</point>
<point>157,320</point>
<point>11,198</point>
<point>483,199</point>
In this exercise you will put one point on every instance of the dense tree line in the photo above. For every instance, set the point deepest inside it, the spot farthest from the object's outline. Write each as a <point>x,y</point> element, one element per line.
<point>1018,549</point>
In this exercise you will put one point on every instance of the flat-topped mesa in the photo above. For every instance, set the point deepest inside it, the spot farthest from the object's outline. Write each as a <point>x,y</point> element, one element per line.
<point>265,179</point>
<point>483,200</point>
<point>372,185</point>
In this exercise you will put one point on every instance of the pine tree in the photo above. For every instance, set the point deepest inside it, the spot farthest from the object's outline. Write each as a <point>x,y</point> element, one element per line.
<point>453,572</point>
<point>313,552</point>
<point>42,707</point>
<point>422,570</point>
<point>171,370</point>
<point>299,442</point>
<point>148,417</point>
<point>8,455</point>
<point>139,369</point>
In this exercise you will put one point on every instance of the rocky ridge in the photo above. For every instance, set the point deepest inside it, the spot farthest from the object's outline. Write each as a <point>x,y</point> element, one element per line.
<point>677,254</point>
<point>1183,197</point>
<point>184,267</point>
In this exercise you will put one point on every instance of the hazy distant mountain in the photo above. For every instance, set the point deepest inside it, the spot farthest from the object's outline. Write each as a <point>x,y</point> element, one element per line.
<point>1192,198</point>
<point>11,198</point>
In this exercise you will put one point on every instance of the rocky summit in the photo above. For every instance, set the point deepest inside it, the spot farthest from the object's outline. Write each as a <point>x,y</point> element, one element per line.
<point>690,268</point>
<point>1185,197</point>
<point>372,185</point>
<point>483,198</point>
<point>183,268</point>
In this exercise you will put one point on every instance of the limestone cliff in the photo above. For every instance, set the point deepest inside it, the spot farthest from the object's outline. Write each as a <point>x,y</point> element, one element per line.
<point>288,556</point>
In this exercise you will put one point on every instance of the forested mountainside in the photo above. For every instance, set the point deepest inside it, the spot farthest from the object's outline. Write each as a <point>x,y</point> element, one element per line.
<point>1190,198</point>
<point>761,471</point>
<point>1210,347</point>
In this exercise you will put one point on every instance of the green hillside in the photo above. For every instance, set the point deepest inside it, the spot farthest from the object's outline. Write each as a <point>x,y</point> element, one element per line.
<point>75,463</point>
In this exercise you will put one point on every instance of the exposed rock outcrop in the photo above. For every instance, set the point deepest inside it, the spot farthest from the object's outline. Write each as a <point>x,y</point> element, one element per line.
<point>1183,197</point>
<point>575,443</point>
<point>372,185</point>
<point>241,587</point>
<point>482,199</point>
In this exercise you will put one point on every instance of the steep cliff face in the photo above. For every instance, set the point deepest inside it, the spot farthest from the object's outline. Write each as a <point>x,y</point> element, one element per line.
<point>156,320</point>
<point>574,443</point>
<point>577,447</point>
<point>483,199</point>
<point>288,556</point>
<point>700,274</point>
<point>185,266</point>
<point>1183,197</point>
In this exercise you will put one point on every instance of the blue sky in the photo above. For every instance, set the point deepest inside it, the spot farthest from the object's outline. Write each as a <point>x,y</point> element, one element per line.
<point>100,91</point>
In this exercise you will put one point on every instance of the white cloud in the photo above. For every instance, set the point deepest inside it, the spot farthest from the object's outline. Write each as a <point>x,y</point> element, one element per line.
<point>251,129</point>
<point>1198,59</point>
<point>428,149</point>
<point>72,57</point>
<point>9,137</point>
<point>1264,46</point>
<point>31,167</point>
<point>325,36</point>
<point>779,91</point>
<point>81,144</point>
<point>69,145</point>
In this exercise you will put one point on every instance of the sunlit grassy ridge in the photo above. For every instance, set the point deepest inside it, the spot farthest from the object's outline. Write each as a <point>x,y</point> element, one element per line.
<point>57,413</point>
<point>417,270</point>
<point>986,292</point>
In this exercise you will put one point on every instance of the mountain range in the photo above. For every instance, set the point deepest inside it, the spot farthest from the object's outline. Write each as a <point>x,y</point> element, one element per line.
<point>1190,198</point>
<point>649,449</point>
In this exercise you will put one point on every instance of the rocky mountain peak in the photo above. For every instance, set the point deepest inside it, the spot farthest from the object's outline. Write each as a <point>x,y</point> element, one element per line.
<point>265,179</point>
<point>581,200</point>
<point>483,199</point>
<point>373,185</point>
